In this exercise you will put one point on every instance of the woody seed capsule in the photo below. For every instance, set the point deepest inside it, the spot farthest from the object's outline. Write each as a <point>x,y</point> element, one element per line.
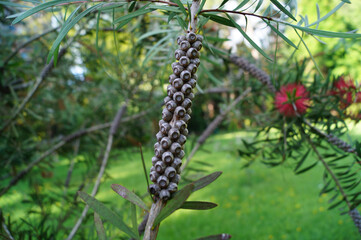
<point>191,37</point>
<point>192,68</point>
<point>171,90</point>
<point>167,158</point>
<point>178,97</point>
<point>187,103</point>
<point>185,132</point>
<point>196,61</point>
<point>192,82</point>
<point>192,53</point>
<point>163,181</point>
<point>173,133</point>
<point>177,83</point>
<point>166,143</point>
<point>171,105</point>
<point>176,178</point>
<point>187,88</point>
<point>170,172</point>
<point>160,167</point>
<point>164,128</point>
<point>171,78</point>
<point>186,118</point>
<point>181,154</point>
<point>155,160</point>
<point>190,96</point>
<point>177,70</point>
<point>182,140</point>
<point>153,176</point>
<point>164,194</point>
<point>181,38</point>
<point>184,61</point>
<point>189,111</point>
<point>158,152</point>
<point>180,112</point>
<point>200,38</point>
<point>172,187</point>
<point>159,136</point>
<point>156,145</point>
<point>181,125</point>
<point>154,189</point>
<point>167,99</point>
<point>197,45</point>
<point>184,45</point>
<point>175,148</point>
<point>166,115</point>
<point>177,163</point>
<point>179,53</point>
<point>185,75</point>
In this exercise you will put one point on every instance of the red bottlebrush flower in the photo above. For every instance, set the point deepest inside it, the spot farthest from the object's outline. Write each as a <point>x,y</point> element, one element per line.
<point>343,86</point>
<point>358,97</point>
<point>344,89</point>
<point>292,100</point>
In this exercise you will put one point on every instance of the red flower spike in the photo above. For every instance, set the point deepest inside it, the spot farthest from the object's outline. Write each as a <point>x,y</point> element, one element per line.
<point>292,100</point>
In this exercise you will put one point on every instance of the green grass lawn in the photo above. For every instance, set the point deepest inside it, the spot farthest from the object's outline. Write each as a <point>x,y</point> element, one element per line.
<point>254,203</point>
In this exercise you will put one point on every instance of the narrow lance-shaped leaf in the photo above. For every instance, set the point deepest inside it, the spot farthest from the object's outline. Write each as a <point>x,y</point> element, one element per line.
<point>299,164</point>
<point>107,214</point>
<point>99,227</point>
<point>248,38</point>
<point>283,9</point>
<point>280,34</point>
<point>130,196</point>
<point>180,4</point>
<point>141,11</point>
<point>307,168</point>
<point>197,205</point>
<point>323,33</point>
<point>241,5</point>
<point>204,181</point>
<point>175,203</point>
<point>327,15</point>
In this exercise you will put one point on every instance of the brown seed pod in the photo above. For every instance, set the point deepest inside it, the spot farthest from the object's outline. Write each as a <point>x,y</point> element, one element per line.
<point>187,103</point>
<point>184,61</point>
<point>184,45</point>
<point>177,163</point>
<point>196,61</point>
<point>184,132</point>
<point>171,105</point>
<point>178,83</point>
<point>192,53</point>
<point>195,77</point>
<point>185,75</point>
<point>170,172</point>
<point>164,128</point>
<point>162,181</point>
<point>180,124</point>
<point>167,158</point>
<point>186,118</point>
<point>191,37</point>
<point>175,148</point>
<point>173,134</point>
<point>187,88</point>
<point>192,68</point>
<point>165,143</point>
<point>154,189</point>
<point>182,139</point>
<point>153,176</point>
<point>166,115</point>
<point>171,78</point>
<point>152,169</point>
<point>179,53</point>
<point>156,145</point>
<point>192,82</point>
<point>199,38</point>
<point>159,136</point>
<point>178,97</point>
<point>189,111</point>
<point>180,112</point>
<point>171,90</point>
<point>190,96</point>
<point>155,160</point>
<point>181,154</point>
<point>164,194</point>
<point>176,178</point>
<point>160,167</point>
<point>177,70</point>
<point>197,45</point>
<point>172,187</point>
<point>158,152</point>
<point>180,39</point>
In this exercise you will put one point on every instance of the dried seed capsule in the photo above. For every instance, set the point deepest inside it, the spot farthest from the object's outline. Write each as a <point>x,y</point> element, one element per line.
<point>184,132</point>
<point>187,88</point>
<point>179,53</point>
<point>187,103</point>
<point>174,64</point>
<point>180,112</point>
<point>164,194</point>
<point>172,187</point>
<point>170,172</point>
<point>171,105</point>
<point>192,53</point>
<point>177,70</point>
<point>192,82</point>
<point>164,128</point>
<point>171,78</point>
<point>160,122</point>
<point>178,97</point>
<point>166,115</point>
<point>178,83</point>
<point>189,111</point>
<point>192,68</point>
<point>181,154</point>
<point>191,37</point>
<point>159,136</point>
<point>196,61</point>
<point>160,167</point>
<point>197,45</point>
<point>152,169</point>
<point>176,178</point>
<point>156,145</point>
<point>173,133</point>
<point>166,143</point>
<point>167,99</point>
<point>190,96</point>
<point>184,61</point>
<point>158,152</point>
<point>163,181</point>
<point>175,148</point>
<point>184,45</point>
<point>181,125</point>
<point>167,158</point>
<point>186,118</point>
<point>171,90</point>
<point>182,140</point>
<point>154,189</point>
<point>181,38</point>
<point>185,75</point>
<point>195,77</point>
<point>200,38</point>
<point>155,160</point>
<point>153,176</point>
<point>177,163</point>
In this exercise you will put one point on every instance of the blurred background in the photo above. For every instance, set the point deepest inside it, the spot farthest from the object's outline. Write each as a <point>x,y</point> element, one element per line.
<point>101,67</point>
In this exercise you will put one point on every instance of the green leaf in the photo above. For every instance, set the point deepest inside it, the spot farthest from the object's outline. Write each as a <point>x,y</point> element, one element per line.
<point>258,5</point>
<point>241,5</point>
<point>166,8</point>
<point>12,4</point>
<point>39,8</point>
<point>131,7</point>
<point>99,227</point>
<point>280,34</point>
<point>307,168</point>
<point>204,181</point>
<point>140,11</point>
<point>181,22</point>
<point>223,236</point>
<point>180,4</point>
<point>133,214</point>
<point>130,196</point>
<point>327,15</point>
<point>222,4</point>
<point>299,164</point>
<point>201,6</point>
<point>175,203</point>
<point>211,76</point>
<point>148,34</point>
<point>155,49</point>
<point>249,39</point>
<point>323,33</point>
<point>220,20</point>
<point>107,214</point>
<point>283,9</point>
<point>97,31</point>
<point>197,205</point>
<point>66,28</point>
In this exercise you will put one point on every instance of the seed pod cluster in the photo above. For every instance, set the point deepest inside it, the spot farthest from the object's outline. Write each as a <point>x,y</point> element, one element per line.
<point>172,135</point>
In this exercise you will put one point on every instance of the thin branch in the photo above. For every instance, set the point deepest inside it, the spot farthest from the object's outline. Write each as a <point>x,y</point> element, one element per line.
<point>112,131</point>
<point>150,232</point>
<point>238,12</point>
<point>213,125</point>
<point>72,163</point>
<point>192,26</point>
